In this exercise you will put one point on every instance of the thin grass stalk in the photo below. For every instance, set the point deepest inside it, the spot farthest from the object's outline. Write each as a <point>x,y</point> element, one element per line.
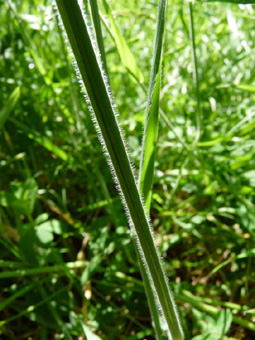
<point>149,149</point>
<point>195,72</point>
<point>107,126</point>
<point>21,272</point>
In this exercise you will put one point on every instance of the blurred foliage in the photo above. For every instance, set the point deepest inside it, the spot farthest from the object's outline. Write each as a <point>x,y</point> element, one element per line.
<point>67,261</point>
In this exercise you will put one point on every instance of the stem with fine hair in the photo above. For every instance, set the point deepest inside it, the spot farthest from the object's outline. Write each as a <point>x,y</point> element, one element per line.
<point>103,114</point>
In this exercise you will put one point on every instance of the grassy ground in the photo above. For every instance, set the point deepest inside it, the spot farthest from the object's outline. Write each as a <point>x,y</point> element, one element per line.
<point>67,260</point>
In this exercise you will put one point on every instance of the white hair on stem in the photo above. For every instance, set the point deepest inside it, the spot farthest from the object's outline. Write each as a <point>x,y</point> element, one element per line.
<point>108,158</point>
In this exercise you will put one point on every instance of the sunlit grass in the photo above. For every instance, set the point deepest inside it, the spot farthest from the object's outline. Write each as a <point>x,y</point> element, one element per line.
<point>68,267</point>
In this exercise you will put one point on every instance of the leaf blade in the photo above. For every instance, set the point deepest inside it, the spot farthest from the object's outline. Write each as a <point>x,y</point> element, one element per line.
<point>9,105</point>
<point>123,49</point>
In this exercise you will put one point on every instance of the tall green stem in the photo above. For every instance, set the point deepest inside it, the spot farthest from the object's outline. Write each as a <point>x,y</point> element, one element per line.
<point>111,139</point>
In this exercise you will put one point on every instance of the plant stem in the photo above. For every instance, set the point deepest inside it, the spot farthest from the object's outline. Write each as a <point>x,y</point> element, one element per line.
<point>111,139</point>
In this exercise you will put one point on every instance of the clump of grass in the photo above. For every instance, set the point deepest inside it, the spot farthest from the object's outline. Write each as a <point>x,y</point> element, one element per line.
<point>61,220</point>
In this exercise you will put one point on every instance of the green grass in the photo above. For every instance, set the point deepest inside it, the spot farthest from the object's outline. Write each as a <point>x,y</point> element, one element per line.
<point>68,264</point>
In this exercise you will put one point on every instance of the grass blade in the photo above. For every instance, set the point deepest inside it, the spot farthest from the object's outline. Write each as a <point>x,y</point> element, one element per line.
<point>149,142</point>
<point>243,2</point>
<point>152,112</point>
<point>21,272</point>
<point>149,147</point>
<point>123,49</point>
<point>246,88</point>
<point>8,107</point>
<point>111,139</point>
<point>195,72</point>
<point>43,141</point>
<point>29,41</point>
<point>17,294</point>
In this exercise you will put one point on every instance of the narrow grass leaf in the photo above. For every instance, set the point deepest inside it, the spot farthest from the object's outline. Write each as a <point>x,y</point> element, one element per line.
<point>152,112</point>
<point>47,144</point>
<point>246,88</point>
<point>30,43</point>
<point>21,272</point>
<point>98,31</point>
<point>150,142</point>
<point>9,105</point>
<point>43,141</point>
<point>53,310</point>
<point>244,2</point>
<point>126,55</point>
<point>195,72</point>
<point>31,308</point>
<point>15,295</point>
<point>107,126</point>
<point>149,148</point>
<point>242,87</point>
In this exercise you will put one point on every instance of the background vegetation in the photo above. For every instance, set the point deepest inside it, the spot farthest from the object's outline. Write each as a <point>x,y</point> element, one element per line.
<point>67,260</point>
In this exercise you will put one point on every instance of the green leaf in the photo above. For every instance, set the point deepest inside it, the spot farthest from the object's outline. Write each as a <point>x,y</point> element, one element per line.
<point>88,333</point>
<point>241,161</point>
<point>53,225</point>
<point>44,233</point>
<point>42,218</point>
<point>21,197</point>
<point>250,175</point>
<point>207,336</point>
<point>223,322</point>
